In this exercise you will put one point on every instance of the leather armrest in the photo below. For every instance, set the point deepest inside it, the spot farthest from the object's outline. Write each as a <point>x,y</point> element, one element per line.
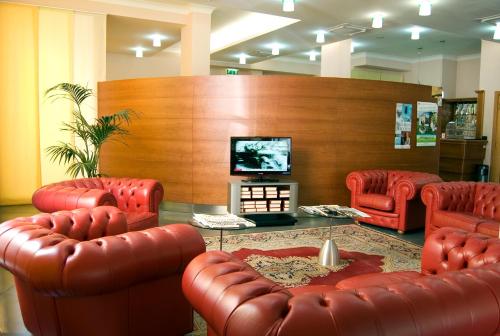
<point>409,187</point>
<point>53,263</point>
<point>450,249</point>
<point>53,198</point>
<point>220,286</point>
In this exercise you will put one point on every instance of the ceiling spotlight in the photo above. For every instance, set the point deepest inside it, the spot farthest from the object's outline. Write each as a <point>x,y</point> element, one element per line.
<point>156,40</point>
<point>139,52</point>
<point>425,8</point>
<point>496,36</point>
<point>352,47</point>
<point>378,19</point>
<point>275,50</point>
<point>415,33</point>
<point>243,59</point>
<point>320,36</point>
<point>312,55</point>
<point>288,5</point>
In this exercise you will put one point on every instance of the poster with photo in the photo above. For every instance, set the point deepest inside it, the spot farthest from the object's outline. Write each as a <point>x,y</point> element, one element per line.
<point>427,118</point>
<point>403,126</point>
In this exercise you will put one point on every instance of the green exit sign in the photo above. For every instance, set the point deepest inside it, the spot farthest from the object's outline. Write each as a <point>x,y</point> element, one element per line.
<point>230,71</point>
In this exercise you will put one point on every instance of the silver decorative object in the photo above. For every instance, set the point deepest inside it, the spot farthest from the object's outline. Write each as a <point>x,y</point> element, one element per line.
<point>329,254</point>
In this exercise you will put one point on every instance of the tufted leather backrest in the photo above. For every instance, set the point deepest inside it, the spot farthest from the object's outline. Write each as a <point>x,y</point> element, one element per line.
<point>88,183</point>
<point>80,224</point>
<point>487,200</point>
<point>450,249</point>
<point>375,181</point>
<point>131,194</point>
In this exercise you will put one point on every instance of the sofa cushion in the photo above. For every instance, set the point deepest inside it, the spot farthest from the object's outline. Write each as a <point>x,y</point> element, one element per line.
<point>377,279</point>
<point>376,201</point>
<point>489,228</point>
<point>137,221</point>
<point>462,220</point>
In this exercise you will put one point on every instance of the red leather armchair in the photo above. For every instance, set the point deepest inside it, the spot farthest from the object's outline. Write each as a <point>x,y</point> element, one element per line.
<point>390,197</point>
<point>471,206</point>
<point>138,198</point>
<point>457,293</point>
<point>80,273</point>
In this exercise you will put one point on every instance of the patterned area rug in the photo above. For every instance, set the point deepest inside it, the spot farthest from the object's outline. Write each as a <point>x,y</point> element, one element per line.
<point>290,257</point>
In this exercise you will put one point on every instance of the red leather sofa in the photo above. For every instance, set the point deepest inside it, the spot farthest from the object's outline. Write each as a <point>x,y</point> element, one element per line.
<point>471,206</point>
<point>81,273</point>
<point>457,293</point>
<point>390,197</point>
<point>138,198</point>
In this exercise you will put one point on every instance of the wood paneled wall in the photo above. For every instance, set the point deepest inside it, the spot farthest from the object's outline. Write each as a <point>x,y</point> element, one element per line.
<point>181,135</point>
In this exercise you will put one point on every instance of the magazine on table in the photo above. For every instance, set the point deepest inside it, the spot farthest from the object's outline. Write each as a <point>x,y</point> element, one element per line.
<point>333,211</point>
<point>227,221</point>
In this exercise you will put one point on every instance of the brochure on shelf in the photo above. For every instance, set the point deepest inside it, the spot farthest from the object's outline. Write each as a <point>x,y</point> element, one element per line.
<point>226,221</point>
<point>333,211</point>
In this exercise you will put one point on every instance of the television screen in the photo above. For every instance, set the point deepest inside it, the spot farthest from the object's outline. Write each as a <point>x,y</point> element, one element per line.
<point>261,156</point>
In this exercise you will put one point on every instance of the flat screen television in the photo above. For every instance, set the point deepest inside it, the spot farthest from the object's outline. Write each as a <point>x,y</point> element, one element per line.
<point>261,156</point>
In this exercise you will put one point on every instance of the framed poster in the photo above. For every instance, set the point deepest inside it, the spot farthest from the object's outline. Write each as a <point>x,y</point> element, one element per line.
<point>427,118</point>
<point>402,136</point>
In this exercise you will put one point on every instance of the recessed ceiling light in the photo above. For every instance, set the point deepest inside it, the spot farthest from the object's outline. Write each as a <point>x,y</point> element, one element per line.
<point>139,52</point>
<point>377,20</point>
<point>415,33</point>
<point>275,50</point>
<point>288,5</point>
<point>312,55</point>
<point>243,58</point>
<point>320,36</point>
<point>425,8</point>
<point>157,40</point>
<point>496,36</point>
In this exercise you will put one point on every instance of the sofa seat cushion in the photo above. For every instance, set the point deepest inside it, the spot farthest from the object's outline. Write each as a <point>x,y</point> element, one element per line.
<point>463,220</point>
<point>376,201</point>
<point>489,228</point>
<point>137,221</point>
<point>377,279</point>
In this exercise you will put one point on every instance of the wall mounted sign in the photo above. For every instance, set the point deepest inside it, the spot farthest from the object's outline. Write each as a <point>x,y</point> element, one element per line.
<point>427,118</point>
<point>402,138</point>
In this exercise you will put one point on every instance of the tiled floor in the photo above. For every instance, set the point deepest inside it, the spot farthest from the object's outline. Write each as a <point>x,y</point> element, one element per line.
<point>10,316</point>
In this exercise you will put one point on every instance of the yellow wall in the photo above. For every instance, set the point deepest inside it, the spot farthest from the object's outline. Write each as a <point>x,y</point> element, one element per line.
<point>19,148</point>
<point>55,42</point>
<point>38,47</point>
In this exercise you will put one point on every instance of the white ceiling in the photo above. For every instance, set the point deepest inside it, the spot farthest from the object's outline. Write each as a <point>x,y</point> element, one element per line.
<point>453,29</point>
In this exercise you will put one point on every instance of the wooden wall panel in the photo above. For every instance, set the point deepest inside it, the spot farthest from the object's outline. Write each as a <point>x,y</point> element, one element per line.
<point>181,136</point>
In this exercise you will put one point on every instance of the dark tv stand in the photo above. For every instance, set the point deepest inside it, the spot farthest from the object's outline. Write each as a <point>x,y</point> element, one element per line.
<point>271,219</point>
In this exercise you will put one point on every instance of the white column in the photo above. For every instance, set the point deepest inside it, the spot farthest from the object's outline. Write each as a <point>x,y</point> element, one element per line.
<point>336,59</point>
<point>195,43</point>
<point>489,81</point>
<point>89,55</point>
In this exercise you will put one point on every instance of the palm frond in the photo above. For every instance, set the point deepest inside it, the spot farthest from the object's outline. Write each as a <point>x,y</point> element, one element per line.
<point>74,92</point>
<point>84,161</point>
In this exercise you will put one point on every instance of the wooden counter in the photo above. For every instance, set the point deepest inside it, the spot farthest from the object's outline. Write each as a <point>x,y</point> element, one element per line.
<point>458,158</point>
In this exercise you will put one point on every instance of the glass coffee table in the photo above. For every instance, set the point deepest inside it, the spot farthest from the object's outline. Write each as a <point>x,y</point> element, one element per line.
<point>329,253</point>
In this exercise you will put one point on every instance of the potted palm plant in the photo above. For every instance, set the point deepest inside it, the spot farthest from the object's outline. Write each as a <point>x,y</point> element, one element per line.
<point>84,159</point>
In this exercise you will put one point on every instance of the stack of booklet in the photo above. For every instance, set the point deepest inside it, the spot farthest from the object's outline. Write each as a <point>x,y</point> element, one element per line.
<point>333,211</point>
<point>227,221</point>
